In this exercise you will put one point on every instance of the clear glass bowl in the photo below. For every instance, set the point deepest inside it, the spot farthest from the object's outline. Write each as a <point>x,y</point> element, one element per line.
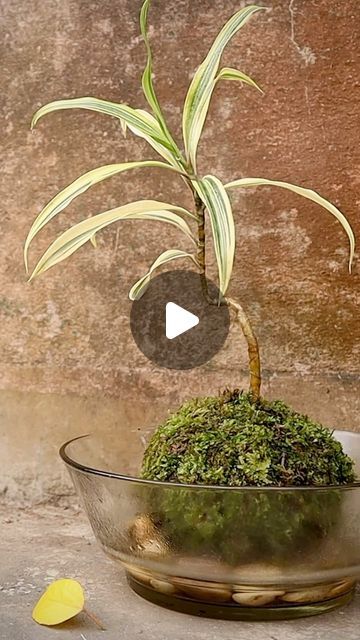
<point>239,553</point>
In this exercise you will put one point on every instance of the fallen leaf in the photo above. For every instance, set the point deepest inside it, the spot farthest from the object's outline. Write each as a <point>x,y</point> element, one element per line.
<point>62,600</point>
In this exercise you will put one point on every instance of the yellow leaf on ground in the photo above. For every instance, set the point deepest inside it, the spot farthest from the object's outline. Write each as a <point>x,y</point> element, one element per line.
<point>62,600</point>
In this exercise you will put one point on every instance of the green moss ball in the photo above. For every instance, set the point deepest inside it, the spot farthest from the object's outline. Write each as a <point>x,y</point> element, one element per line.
<point>229,440</point>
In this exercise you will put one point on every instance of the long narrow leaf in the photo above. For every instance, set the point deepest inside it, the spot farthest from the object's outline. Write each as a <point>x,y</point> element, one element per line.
<point>199,94</point>
<point>140,122</point>
<point>72,239</point>
<point>227,73</point>
<point>213,194</point>
<point>306,193</point>
<point>148,85</point>
<point>139,288</point>
<point>147,80</point>
<point>84,182</point>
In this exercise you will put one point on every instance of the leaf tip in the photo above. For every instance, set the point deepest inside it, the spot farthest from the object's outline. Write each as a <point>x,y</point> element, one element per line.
<point>134,295</point>
<point>351,260</point>
<point>33,122</point>
<point>33,275</point>
<point>352,251</point>
<point>262,8</point>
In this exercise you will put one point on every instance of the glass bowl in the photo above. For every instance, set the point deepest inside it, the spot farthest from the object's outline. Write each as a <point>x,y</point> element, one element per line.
<point>237,553</point>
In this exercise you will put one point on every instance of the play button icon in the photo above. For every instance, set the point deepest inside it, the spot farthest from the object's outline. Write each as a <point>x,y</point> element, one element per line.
<point>174,325</point>
<point>178,320</point>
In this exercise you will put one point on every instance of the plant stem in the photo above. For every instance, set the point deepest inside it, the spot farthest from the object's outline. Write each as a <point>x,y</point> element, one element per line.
<point>253,347</point>
<point>201,249</point>
<point>248,332</point>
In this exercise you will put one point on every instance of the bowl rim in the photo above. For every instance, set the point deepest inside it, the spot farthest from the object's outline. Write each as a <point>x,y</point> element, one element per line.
<point>119,476</point>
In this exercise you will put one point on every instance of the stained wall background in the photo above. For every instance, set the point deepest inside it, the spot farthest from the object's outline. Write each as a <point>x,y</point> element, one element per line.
<point>68,361</point>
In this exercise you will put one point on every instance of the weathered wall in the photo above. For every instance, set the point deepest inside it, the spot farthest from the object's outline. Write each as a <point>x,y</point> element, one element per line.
<point>68,358</point>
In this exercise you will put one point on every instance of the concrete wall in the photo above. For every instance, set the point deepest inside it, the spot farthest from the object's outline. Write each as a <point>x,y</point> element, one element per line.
<point>68,359</point>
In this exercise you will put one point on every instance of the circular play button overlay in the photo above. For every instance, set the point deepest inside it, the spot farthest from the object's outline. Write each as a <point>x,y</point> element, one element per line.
<point>174,325</point>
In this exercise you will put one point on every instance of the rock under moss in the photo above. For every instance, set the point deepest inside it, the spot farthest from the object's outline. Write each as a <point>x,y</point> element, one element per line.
<point>229,440</point>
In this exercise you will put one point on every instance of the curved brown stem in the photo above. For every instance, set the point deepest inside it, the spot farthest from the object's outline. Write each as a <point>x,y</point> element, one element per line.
<point>253,347</point>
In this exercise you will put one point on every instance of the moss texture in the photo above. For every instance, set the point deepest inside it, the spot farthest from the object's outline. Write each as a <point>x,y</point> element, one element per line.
<point>228,440</point>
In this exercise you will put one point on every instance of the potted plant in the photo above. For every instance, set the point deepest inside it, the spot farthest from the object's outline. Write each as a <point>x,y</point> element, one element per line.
<point>244,508</point>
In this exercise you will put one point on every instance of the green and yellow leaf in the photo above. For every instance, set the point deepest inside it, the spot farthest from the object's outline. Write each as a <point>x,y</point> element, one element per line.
<point>140,122</point>
<point>147,80</point>
<point>213,193</point>
<point>227,73</point>
<point>79,186</point>
<point>75,237</point>
<point>139,288</point>
<point>166,149</point>
<point>123,127</point>
<point>93,241</point>
<point>199,94</point>
<point>305,193</point>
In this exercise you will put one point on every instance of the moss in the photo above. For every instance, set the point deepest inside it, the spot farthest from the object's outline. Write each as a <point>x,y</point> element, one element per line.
<point>228,440</point>
<point>276,527</point>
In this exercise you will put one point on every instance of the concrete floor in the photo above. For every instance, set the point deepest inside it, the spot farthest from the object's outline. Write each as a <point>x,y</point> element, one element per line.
<point>45,543</point>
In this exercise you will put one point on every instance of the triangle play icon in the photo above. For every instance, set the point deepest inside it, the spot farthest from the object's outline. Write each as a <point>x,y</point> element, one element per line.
<point>178,320</point>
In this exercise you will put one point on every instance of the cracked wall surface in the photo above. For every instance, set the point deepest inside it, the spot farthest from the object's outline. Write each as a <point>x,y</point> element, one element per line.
<point>68,358</point>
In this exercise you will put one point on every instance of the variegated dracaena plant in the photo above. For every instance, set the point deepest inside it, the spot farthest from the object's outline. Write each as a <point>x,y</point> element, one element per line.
<point>209,193</point>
